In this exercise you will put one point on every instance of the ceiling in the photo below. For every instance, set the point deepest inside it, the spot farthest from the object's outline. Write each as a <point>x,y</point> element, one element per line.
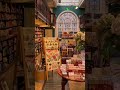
<point>70,2</point>
<point>54,3</point>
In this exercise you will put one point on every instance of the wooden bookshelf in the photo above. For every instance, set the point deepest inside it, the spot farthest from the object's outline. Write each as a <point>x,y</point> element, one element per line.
<point>11,18</point>
<point>39,33</point>
<point>11,15</point>
<point>8,57</point>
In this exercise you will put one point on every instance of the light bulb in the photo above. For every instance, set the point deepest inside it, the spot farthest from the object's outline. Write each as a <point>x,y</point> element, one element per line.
<point>76,7</point>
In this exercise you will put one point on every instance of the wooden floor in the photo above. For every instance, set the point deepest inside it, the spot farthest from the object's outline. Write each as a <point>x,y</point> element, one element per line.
<point>38,86</point>
<point>54,83</point>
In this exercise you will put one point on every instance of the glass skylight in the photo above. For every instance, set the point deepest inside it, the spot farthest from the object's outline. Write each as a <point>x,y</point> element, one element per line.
<point>69,2</point>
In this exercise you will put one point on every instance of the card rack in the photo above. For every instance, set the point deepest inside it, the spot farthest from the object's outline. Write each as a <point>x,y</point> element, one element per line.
<point>7,52</point>
<point>11,15</point>
<point>39,33</point>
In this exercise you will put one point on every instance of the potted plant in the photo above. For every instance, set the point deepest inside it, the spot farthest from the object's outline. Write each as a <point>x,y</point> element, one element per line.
<point>80,41</point>
<point>104,36</point>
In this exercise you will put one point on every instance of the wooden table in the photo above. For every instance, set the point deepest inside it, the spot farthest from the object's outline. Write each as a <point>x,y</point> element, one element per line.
<point>66,78</point>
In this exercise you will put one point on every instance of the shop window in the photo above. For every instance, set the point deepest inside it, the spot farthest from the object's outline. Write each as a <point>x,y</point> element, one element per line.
<point>67,22</point>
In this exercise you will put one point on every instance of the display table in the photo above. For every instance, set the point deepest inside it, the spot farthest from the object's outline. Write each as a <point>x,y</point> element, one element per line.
<point>73,70</point>
<point>65,78</point>
<point>70,78</point>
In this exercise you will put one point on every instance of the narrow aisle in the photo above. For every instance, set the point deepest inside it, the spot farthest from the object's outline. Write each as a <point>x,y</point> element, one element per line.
<point>54,82</point>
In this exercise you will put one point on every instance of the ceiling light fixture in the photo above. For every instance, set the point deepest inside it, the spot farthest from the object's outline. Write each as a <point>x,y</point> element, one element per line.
<point>76,7</point>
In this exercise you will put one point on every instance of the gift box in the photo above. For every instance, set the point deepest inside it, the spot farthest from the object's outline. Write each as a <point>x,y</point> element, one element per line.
<point>71,75</point>
<point>70,66</point>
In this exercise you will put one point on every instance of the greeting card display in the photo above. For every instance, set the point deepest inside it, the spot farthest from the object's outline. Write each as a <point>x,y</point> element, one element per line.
<point>52,54</point>
<point>52,59</point>
<point>51,43</point>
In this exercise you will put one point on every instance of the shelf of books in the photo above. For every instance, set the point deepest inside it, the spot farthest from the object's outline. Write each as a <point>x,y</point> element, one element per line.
<point>11,18</point>
<point>39,33</point>
<point>7,61</point>
<point>11,15</point>
<point>39,66</point>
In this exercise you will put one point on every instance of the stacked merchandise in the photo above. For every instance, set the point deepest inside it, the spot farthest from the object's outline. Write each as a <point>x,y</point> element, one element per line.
<point>38,40</point>
<point>39,63</point>
<point>74,68</point>
<point>67,45</point>
<point>39,33</point>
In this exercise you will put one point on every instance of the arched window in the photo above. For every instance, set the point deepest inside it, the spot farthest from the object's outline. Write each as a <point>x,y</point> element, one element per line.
<point>67,22</point>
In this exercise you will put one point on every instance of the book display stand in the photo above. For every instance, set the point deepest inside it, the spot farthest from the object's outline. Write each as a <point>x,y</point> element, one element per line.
<point>52,54</point>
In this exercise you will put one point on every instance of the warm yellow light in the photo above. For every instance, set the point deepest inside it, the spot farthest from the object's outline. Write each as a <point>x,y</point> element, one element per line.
<point>53,26</point>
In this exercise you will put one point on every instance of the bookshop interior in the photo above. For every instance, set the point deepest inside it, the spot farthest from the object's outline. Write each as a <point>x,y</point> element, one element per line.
<point>59,45</point>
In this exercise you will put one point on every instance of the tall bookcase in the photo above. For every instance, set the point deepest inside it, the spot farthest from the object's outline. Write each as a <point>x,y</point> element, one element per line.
<point>11,18</point>
<point>7,60</point>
